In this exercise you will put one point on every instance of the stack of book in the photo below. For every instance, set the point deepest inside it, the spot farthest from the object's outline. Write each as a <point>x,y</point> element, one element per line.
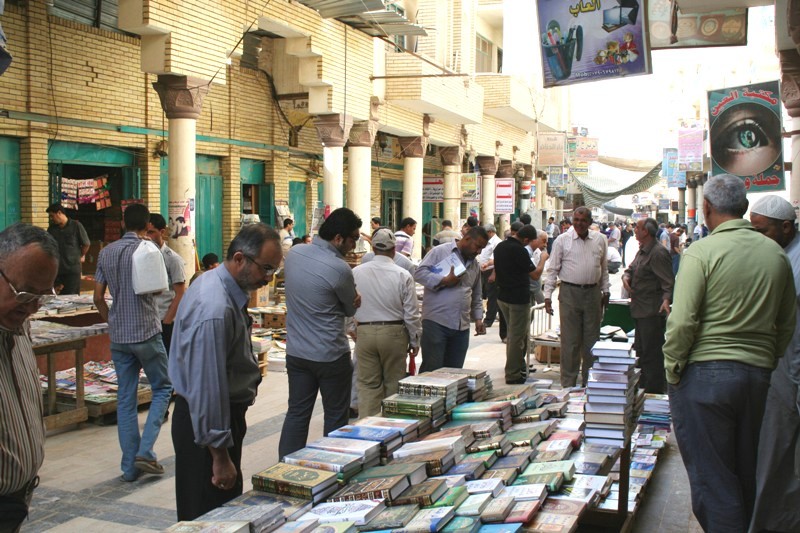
<point>611,408</point>
<point>344,464</point>
<point>500,411</point>
<point>656,411</point>
<point>409,428</point>
<point>266,517</point>
<point>406,404</point>
<point>430,384</point>
<point>476,386</point>
<point>297,481</point>
<point>292,508</point>
<point>389,438</point>
<point>367,450</point>
<point>359,512</point>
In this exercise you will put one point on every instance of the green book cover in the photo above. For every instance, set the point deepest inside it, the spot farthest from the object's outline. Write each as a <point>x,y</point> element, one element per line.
<point>282,474</point>
<point>415,471</point>
<point>463,524</point>
<point>424,493</point>
<point>567,468</point>
<point>553,480</point>
<point>391,518</point>
<point>489,457</point>
<point>452,498</point>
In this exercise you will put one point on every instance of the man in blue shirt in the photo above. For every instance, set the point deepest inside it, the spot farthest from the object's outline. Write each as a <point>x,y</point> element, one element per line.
<point>215,374</point>
<point>320,294</point>
<point>135,332</point>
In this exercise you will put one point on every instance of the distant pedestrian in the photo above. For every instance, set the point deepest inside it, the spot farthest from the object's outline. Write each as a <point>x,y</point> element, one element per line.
<point>168,300</point>
<point>447,234</point>
<point>73,243</point>
<point>405,236</point>
<point>553,231</point>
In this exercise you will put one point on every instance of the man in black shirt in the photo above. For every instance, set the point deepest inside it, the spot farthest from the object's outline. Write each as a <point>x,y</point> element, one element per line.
<point>513,271</point>
<point>73,243</point>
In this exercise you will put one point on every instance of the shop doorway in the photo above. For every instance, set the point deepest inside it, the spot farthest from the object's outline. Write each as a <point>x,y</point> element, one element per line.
<point>257,197</point>
<point>391,203</point>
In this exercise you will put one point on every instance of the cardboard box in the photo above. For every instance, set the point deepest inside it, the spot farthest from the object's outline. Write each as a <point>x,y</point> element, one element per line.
<point>540,353</point>
<point>259,298</point>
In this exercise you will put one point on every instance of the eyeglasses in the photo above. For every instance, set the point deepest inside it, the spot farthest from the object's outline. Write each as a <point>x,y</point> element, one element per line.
<point>268,270</point>
<point>29,297</point>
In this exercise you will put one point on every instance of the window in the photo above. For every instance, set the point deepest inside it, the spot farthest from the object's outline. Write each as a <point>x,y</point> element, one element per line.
<point>97,13</point>
<point>483,54</point>
<point>399,40</point>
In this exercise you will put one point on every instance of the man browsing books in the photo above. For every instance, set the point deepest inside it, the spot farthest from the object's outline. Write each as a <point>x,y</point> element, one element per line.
<point>388,324</point>
<point>450,301</point>
<point>215,374</point>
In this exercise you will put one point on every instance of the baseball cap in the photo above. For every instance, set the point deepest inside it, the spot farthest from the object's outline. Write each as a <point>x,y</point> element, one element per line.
<point>383,239</point>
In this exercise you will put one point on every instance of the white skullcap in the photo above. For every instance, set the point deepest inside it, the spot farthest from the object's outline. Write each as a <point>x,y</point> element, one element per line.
<point>774,206</point>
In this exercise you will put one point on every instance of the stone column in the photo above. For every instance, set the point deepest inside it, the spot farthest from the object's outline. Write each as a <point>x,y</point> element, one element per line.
<point>452,157</point>
<point>487,166</point>
<point>690,202</point>
<point>359,169</point>
<point>681,205</point>
<point>699,200</point>
<point>333,130</point>
<point>413,156</point>
<point>790,96</point>
<point>505,170</point>
<point>182,100</point>
<point>526,186</point>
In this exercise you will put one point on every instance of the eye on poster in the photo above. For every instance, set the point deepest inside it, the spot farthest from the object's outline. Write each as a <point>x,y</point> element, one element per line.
<point>745,135</point>
<point>590,40</point>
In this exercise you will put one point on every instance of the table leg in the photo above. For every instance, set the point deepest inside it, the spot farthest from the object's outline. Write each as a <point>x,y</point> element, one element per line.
<point>79,378</point>
<point>51,383</point>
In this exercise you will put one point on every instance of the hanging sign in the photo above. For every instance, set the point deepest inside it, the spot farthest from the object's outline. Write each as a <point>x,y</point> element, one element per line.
<point>551,149</point>
<point>745,135</point>
<point>504,195</point>
<point>470,187</point>
<point>432,189</point>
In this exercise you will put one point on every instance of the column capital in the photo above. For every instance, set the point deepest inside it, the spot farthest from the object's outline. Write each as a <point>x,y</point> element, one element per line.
<point>333,129</point>
<point>487,164</point>
<point>413,146</point>
<point>528,171</point>
<point>451,155</point>
<point>363,133</point>
<point>790,81</point>
<point>505,169</point>
<point>181,96</point>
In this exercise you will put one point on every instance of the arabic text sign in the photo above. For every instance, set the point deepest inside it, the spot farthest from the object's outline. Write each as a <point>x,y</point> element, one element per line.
<point>586,40</point>
<point>690,149</point>
<point>745,135</point>
<point>551,149</point>
<point>669,169</point>
<point>504,195</point>
<point>470,187</point>
<point>432,189</point>
<point>586,149</point>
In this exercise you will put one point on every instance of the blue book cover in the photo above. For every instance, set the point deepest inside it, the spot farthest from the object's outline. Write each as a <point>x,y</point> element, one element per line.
<point>500,528</point>
<point>378,434</point>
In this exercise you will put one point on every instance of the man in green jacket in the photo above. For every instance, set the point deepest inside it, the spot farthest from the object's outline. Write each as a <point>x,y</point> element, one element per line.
<point>733,315</point>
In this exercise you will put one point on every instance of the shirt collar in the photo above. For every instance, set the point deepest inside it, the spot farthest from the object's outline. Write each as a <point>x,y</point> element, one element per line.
<point>240,297</point>
<point>732,225</point>
<point>326,245</point>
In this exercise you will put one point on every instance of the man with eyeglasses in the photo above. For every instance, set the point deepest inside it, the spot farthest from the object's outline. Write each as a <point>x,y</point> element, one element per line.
<point>215,374</point>
<point>320,294</point>
<point>28,267</point>
<point>135,332</point>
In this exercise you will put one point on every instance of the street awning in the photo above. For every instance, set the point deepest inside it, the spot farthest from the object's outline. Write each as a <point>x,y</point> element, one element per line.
<point>606,182</point>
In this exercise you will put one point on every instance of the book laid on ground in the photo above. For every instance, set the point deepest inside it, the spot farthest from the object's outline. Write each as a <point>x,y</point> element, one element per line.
<point>591,463</point>
<point>518,463</point>
<point>575,437</point>
<point>523,511</point>
<point>506,475</point>
<point>209,527</point>
<point>359,512</point>
<point>415,472</point>
<point>388,488</point>
<point>428,520</point>
<point>552,481</point>
<point>292,507</point>
<point>365,448</point>
<point>490,486</point>
<point>564,507</point>
<point>602,484</point>
<point>324,460</point>
<point>391,518</point>
<point>545,522</point>
<point>524,493</point>
<point>383,435</point>
<point>335,527</point>
<point>436,463</point>
<point>304,526</point>
<point>453,497</point>
<point>452,480</point>
<point>463,524</point>
<point>423,494</point>
<point>260,517</point>
<point>431,445</point>
<point>500,528</point>
<point>488,457</point>
<point>469,469</point>
<point>567,468</point>
<point>522,451</point>
<point>294,480</point>
<point>497,510</point>
<point>474,505</point>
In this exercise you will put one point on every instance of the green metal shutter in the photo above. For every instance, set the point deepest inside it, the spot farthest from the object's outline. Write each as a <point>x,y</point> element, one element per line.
<point>9,181</point>
<point>297,205</point>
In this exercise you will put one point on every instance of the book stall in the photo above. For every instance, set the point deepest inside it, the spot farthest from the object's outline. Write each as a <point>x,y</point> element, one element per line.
<point>452,452</point>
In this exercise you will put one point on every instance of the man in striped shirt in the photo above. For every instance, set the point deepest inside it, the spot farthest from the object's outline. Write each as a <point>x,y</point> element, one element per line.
<point>28,265</point>
<point>579,261</point>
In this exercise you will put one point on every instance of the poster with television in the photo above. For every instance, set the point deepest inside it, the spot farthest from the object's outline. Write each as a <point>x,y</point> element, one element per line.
<point>745,135</point>
<point>587,40</point>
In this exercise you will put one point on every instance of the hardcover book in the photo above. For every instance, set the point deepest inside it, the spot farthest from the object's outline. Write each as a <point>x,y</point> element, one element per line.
<point>452,480</point>
<point>525,493</point>
<point>497,510</point>
<point>209,527</point>
<point>428,520</point>
<point>300,526</point>
<point>463,524</point>
<point>553,455</point>
<point>545,522</point>
<point>500,528</point>
<point>473,505</point>
<point>490,486</point>
<point>388,488</point>
<point>324,460</point>
<point>293,480</point>
<point>489,457</point>
<point>364,448</point>
<point>404,425</point>
<point>359,512</point>
<point>524,437</point>
<point>335,527</point>
<point>523,511</point>
<point>415,472</point>
<point>291,507</point>
<point>506,475</point>
<point>566,468</point>
<point>391,518</point>
<point>454,497</point>
<point>469,469</point>
<point>424,494</point>
<point>552,481</point>
<point>373,433</point>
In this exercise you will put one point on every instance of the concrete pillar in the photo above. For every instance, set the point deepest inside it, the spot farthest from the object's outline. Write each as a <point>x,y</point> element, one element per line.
<point>691,203</point>
<point>681,206</point>
<point>452,157</point>
<point>794,184</point>
<point>526,189</point>
<point>789,58</point>
<point>698,219</point>
<point>359,169</point>
<point>182,100</point>
<point>505,170</point>
<point>333,130</point>
<point>413,157</point>
<point>487,166</point>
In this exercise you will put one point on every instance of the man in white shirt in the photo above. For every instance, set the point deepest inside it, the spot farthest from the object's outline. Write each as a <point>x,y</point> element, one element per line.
<point>168,300</point>
<point>579,261</point>
<point>388,324</point>
<point>489,287</point>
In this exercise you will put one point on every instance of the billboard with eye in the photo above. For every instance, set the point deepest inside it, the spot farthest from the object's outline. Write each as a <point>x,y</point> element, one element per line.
<point>745,135</point>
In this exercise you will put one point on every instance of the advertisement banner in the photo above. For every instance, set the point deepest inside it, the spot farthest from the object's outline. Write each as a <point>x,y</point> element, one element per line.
<point>586,41</point>
<point>712,28</point>
<point>745,135</point>
<point>586,149</point>
<point>504,195</point>
<point>470,187</point>
<point>432,189</point>
<point>669,169</point>
<point>551,149</point>
<point>180,218</point>
<point>690,149</point>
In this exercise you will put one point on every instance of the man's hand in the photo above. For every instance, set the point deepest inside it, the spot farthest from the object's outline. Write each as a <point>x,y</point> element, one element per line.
<point>223,472</point>
<point>548,306</point>
<point>664,308</point>
<point>413,351</point>
<point>491,277</point>
<point>626,285</point>
<point>604,300</point>
<point>357,301</point>
<point>450,280</point>
<point>480,328</point>
<point>544,257</point>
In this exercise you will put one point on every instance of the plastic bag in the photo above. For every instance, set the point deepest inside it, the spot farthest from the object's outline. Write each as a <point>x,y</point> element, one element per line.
<point>149,271</point>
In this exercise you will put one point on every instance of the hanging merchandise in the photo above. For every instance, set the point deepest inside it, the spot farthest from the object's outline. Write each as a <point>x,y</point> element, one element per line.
<point>102,194</point>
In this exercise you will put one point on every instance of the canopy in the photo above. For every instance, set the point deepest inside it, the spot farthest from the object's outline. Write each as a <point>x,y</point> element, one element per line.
<point>612,177</point>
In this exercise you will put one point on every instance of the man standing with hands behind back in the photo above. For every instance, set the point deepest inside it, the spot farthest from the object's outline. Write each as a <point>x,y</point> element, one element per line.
<point>73,243</point>
<point>579,260</point>
<point>215,374</point>
<point>649,281</point>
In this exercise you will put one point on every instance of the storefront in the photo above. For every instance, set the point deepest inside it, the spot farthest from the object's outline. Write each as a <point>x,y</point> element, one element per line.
<point>258,197</point>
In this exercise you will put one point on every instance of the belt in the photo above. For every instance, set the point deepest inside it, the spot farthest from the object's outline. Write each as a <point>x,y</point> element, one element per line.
<point>383,323</point>
<point>587,286</point>
<point>22,494</point>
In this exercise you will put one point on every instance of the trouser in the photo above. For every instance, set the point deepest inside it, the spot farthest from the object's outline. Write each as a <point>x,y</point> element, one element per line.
<point>649,342</point>
<point>613,267</point>
<point>490,293</point>
<point>166,335</point>
<point>306,378</point>
<point>14,507</point>
<point>381,353</point>
<point>518,319</point>
<point>442,346</point>
<point>195,494</point>
<point>550,244</point>
<point>717,410</point>
<point>580,314</point>
<point>71,282</point>
<point>676,262</point>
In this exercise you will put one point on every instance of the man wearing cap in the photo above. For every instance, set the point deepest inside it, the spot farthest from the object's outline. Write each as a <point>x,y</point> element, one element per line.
<point>778,470</point>
<point>388,324</point>
<point>730,322</point>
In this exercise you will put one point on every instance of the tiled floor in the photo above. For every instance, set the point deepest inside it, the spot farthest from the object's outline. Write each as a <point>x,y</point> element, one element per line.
<point>80,489</point>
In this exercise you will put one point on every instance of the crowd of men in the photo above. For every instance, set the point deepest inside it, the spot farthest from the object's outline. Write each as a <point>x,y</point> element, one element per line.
<point>719,338</point>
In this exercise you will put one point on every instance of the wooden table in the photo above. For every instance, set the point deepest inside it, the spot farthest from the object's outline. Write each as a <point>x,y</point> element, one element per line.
<point>53,419</point>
